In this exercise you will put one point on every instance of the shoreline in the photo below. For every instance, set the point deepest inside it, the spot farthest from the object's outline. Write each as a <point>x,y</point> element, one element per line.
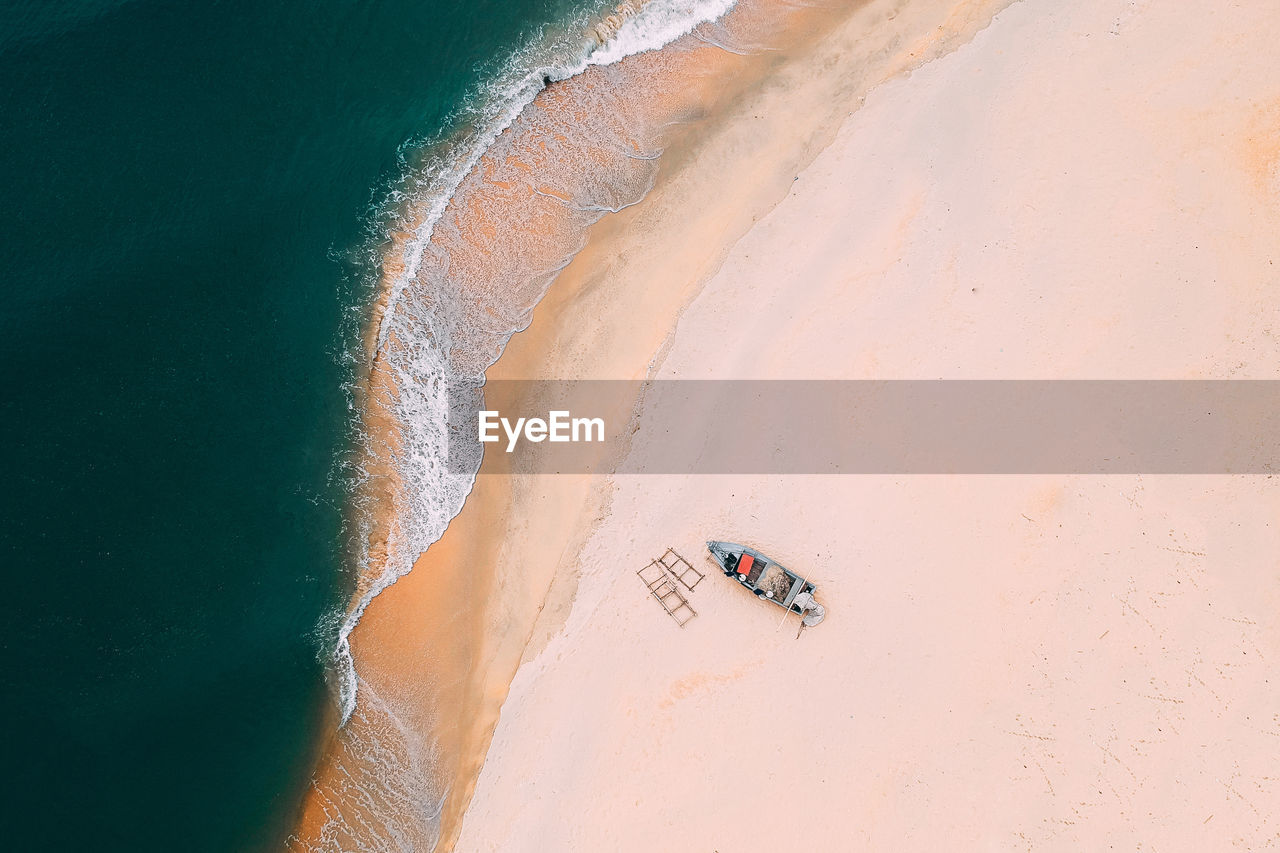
<point>428,671</point>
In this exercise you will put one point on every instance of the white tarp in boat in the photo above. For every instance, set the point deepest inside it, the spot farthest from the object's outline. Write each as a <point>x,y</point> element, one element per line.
<point>812,611</point>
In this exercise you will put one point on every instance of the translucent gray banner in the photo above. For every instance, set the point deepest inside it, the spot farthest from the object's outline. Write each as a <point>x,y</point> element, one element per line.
<point>867,427</point>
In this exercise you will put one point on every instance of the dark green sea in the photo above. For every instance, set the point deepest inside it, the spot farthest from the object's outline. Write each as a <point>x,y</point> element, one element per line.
<point>193,196</point>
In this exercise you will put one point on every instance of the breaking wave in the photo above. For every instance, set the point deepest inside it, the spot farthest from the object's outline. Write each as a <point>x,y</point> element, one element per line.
<point>456,284</point>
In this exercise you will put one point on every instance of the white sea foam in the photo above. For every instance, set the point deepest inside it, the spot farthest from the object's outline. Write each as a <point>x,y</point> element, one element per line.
<point>657,24</point>
<point>428,339</point>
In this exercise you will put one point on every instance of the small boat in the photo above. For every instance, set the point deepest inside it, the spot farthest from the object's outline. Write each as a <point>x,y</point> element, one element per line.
<point>768,579</point>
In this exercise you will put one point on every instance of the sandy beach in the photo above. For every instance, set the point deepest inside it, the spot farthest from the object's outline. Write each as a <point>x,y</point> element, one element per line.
<point>1008,663</point>
<point>899,190</point>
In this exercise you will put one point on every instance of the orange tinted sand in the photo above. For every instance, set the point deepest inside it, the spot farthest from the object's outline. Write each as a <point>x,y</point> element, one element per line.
<point>435,665</point>
<point>435,651</point>
<point>1053,663</point>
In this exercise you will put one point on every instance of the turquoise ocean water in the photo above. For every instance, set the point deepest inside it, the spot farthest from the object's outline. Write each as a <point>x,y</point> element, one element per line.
<point>191,209</point>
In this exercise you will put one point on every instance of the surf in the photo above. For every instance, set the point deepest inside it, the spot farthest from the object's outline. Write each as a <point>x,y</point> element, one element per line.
<point>429,332</point>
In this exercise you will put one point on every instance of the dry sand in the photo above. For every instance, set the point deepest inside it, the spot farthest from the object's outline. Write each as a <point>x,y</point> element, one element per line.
<point>1088,190</point>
